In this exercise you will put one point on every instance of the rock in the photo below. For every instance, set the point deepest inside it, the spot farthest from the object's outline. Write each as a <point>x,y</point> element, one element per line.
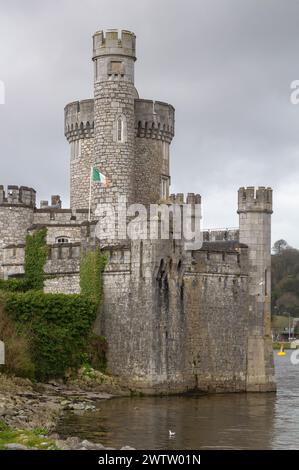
<point>127,448</point>
<point>65,402</point>
<point>76,406</point>
<point>73,442</point>
<point>91,446</point>
<point>90,407</point>
<point>15,447</point>
<point>61,444</point>
<point>23,418</point>
<point>99,446</point>
<point>10,412</point>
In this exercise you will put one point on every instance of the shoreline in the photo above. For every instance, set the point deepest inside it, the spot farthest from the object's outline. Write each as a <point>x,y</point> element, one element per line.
<point>29,413</point>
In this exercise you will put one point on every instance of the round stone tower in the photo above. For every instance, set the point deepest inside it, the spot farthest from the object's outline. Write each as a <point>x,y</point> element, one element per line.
<point>79,131</point>
<point>114,117</point>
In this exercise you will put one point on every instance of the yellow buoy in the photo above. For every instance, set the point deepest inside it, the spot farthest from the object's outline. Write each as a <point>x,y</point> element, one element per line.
<point>281,352</point>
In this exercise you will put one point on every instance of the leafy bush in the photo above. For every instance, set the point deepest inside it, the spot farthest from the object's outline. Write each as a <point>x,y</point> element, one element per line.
<point>51,331</point>
<point>17,347</point>
<point>14,285</point>
<point>96,352</point>
<point>59,328</point>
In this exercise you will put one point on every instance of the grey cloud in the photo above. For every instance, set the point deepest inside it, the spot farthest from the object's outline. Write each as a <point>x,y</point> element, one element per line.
<point>225,65</point>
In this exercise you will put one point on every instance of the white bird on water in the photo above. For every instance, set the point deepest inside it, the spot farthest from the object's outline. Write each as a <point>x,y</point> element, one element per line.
<point>171,433</point>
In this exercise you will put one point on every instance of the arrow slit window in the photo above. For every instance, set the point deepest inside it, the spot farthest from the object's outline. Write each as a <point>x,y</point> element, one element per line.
<point>120,129</point>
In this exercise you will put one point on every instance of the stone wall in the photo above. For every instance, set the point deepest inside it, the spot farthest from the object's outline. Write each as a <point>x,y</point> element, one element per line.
<point>63,269</point>
<point>216,306</point>
<point>176,323</point>
<point>72,232</point>
<point>12,260</point>
<point>142,319</point>
<point>16,215</point>
<point>63,284</point>
<point>59,216</point>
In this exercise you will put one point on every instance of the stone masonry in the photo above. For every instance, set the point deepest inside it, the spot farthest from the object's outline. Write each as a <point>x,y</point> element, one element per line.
<point>176,317</point>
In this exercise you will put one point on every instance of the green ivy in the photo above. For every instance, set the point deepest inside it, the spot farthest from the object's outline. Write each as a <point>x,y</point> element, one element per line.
<point>36,253</point>
<point>59,327</point>
<point>14,285</point>
<point>92,266</point>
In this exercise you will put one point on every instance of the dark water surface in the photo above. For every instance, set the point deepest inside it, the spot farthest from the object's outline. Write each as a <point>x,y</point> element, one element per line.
<point>228,421</point>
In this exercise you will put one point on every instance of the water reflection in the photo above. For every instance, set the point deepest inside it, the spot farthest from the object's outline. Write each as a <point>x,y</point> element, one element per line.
<point>238,421</point>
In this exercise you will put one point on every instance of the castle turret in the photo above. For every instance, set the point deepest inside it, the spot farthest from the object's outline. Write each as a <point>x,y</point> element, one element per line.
<point>154,123</point>
<point>255,209</point>
<point>79,131</point>
<point>17,206</point>
<point>114,117</point>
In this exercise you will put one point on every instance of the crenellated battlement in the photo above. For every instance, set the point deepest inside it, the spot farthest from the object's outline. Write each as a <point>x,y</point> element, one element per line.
<point>220,258</point>
<point>79,120</point>
<point>114,42</point>
<point>179,198</point>
<point>154,120</point>
<point>60,251</point>
<point>221,234</point>
<point>253,199</point>
<point>17,195</point>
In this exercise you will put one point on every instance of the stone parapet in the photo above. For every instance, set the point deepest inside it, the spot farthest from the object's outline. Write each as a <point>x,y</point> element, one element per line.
<point>253,199</point>
<point>114,42</point>
<point>154,120</point>
<point>79,120</point>
<point>17,195</point>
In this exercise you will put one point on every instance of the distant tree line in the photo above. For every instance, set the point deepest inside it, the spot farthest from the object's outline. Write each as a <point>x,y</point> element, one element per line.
<point>285,279</point>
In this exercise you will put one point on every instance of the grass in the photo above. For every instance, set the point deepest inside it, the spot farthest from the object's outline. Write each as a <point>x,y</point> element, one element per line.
<point>278,344</point>
<point>30,438</point>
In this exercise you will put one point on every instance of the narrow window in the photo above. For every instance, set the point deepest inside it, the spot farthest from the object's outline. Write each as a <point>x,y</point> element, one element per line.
<point>164,187</point>
<point>119,130</point>
<point>266,282</point>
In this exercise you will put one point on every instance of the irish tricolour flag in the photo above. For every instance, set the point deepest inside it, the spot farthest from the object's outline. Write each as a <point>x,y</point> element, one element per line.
<point>98,176</point>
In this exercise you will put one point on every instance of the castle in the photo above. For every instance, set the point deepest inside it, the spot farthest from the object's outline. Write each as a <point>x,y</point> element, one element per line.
<point>175,319</point>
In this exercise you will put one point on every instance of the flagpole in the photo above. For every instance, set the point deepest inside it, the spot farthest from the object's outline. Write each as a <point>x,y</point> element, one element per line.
<point>89,204</point>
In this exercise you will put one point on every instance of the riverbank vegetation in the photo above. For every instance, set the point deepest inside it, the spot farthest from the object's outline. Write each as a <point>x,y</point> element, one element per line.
<point>16,439</point>
<point>285,279</point>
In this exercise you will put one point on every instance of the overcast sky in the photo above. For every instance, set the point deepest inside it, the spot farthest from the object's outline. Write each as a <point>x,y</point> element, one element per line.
<point>225,65</point>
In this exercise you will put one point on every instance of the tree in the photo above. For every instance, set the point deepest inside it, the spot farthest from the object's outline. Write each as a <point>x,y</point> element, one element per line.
<point>279,246</point>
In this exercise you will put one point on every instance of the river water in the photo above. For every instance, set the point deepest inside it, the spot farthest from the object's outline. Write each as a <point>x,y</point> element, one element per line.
<point>226,421</point>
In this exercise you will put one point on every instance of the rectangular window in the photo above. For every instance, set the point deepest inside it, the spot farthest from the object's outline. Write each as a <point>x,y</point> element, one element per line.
<point>116,68</point>
<point>165,150</point>
<point>164,187</point>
